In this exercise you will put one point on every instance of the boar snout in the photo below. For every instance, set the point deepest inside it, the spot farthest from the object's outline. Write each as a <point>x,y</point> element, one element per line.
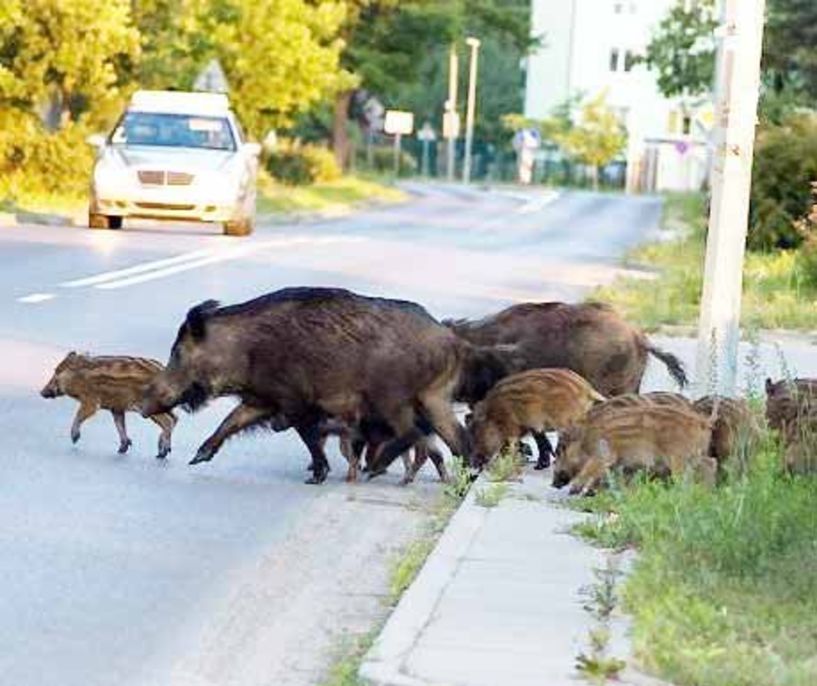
<point>50,390</point>
<point>560,478</point>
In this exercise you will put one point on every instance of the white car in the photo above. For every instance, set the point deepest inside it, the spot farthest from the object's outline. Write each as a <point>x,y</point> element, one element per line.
<point>175,155</point>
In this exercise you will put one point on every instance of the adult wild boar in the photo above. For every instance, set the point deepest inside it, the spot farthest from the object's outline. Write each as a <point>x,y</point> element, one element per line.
<point>787,400</point>
<point>306,354</point>
<point>590,338</point>
<point>111,382</point>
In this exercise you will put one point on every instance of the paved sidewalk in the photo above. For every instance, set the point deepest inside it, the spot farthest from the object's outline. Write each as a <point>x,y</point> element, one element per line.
<point>499,601</point>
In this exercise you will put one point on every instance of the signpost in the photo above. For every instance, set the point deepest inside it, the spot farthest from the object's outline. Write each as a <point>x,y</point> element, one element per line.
<point>738,86</point>
<point>426,135</point>
<point>451,120</point>
<point>472,43</point>
<point>398,124</point>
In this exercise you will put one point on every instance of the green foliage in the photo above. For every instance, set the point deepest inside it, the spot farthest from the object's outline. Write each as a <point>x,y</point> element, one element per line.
<point>507,466</point>
<point>382,161</point>
<point>345,670</point>
<point>789,57</point>
<point>784,168</point>
<point>724,591</point>
<point>596,138</point>
<point>34,161</point>
<point>459,481</point>
<point>682,50</point>
<point>298,164</point>
<point>777,292</point>
<point>492,495</point>
<point>72,55</point>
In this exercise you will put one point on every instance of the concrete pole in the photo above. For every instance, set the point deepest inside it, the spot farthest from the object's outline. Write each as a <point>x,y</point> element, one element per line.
<point>473,43</point>
<point>451,108</point>
<point>736,113</point>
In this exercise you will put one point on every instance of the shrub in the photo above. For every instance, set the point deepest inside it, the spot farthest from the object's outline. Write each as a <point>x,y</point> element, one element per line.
<point>383,161</point>
<point>34,161</point>
<point>785,165</point>
<point>302,164</point>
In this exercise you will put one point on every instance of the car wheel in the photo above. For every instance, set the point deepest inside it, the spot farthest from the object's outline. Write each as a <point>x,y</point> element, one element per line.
<point>103,221</point>
<point>242,227</point>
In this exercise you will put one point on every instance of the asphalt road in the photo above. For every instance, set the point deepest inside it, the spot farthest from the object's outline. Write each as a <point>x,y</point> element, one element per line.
<point>124,570</point>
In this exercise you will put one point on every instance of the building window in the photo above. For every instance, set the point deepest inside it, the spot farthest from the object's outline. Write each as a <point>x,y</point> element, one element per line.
<point>614,55</point>
<point>629,60</point>
<point>687,126</point>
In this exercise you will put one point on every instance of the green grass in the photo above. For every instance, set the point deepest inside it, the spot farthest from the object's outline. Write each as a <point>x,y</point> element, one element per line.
<point>776,293</point>
<point>345,670</point>
<point>492,495</point>
<point>724,591</point>
<point>347,191</point>
<point>507,466</point>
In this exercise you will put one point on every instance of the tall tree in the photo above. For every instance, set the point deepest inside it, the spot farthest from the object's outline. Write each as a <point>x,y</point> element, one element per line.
<point>596,138</point>
<point>73,55</point>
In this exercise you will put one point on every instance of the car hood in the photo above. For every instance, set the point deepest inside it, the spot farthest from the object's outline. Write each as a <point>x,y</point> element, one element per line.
<point>176,159</point>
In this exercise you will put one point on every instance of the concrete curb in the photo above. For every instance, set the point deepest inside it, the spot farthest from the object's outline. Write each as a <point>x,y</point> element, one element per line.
<point>382,665</point>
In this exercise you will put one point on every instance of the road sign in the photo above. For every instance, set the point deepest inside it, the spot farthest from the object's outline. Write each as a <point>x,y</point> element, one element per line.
<point>427,133</point>
<point>451,125</point>
<point>398,123</point>
<point>211,79</point>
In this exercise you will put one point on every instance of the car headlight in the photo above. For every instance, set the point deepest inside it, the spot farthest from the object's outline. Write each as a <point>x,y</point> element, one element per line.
<point>111,172</point>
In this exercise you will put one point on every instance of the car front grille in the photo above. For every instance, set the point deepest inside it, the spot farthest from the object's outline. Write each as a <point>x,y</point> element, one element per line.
<point>150,177</point>
<point>164,206</point>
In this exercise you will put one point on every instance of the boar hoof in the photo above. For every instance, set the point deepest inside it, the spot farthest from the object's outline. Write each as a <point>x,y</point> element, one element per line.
<point>74,436</point>
<point>124,445</point>
<point>373,473</point>
<point>202,456</point>
<point>318,477</point>
<point>543,462</point>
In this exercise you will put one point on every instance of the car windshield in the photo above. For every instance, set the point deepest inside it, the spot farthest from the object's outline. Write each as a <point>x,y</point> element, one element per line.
<point>174,130</point>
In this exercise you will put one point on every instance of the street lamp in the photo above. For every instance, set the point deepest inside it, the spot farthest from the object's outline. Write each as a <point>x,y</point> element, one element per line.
<point>472,43</point>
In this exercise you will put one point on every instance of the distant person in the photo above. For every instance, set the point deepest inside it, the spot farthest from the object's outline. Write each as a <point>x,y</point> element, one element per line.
<point>526,142</point>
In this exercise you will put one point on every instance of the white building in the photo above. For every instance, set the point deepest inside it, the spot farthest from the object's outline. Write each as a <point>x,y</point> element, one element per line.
<point>590,47</point>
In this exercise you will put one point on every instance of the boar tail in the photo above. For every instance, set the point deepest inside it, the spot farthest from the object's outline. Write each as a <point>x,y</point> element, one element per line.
<point>674,366</point>
<point>197,316</point>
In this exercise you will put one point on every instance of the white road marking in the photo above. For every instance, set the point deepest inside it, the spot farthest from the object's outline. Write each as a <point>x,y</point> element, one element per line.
<point>36,298</point>
<point>142,275</point>
<point>538,204</point>
<point>137,269</point>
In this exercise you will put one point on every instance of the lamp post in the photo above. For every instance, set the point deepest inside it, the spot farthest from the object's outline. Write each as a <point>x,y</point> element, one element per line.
<point>472,43</point>
<point>741,40</point>
<point>450,121</point>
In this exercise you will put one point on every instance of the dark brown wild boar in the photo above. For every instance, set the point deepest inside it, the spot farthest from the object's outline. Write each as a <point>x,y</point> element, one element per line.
<point>113,383</point>
<point>534,402</point>
<point>734,424</point>
<point>590,338</point>
<point>787,399</point>
<point>307,354</point>
<point>658,439</point>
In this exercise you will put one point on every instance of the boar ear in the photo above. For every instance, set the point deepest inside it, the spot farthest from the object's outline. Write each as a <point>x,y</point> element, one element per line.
<point>769,385</point>
<point>197,317</point>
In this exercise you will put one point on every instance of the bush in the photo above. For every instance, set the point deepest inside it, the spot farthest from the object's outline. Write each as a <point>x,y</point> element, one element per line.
<point>302,164</point>
<point>785,165</point>
<point>34,161</point>
<point>383,161</point>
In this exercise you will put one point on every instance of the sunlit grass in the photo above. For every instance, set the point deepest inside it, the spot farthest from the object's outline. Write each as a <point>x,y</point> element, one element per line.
<point>776,291</point>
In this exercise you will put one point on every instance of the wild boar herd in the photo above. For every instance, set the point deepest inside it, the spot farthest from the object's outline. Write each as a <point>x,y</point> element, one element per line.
<point>384,376</point>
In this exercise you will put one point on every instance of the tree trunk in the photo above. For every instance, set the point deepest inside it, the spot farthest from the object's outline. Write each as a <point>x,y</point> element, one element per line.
<point>340,134</point>
<point>594,174</point>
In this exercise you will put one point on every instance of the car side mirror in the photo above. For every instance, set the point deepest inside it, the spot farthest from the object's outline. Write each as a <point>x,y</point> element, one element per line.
<point>253,149</point>
<point>96,140</point>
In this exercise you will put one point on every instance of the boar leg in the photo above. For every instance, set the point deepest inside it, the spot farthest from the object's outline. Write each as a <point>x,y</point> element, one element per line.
<point>87,409</point>
<point>310,434</point>
<point>439,412</point>
<point>403,422</point>
<point>167,421</point>
<point>545,449</point>
<point>423,452</point>
<point>119,421</point>
<point>242,417</point>
<point>588,478</point>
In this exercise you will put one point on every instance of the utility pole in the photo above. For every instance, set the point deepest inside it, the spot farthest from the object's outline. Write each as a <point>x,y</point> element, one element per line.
<point>473,43</point>
<point>740,46</point>
<point>450,121</point>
